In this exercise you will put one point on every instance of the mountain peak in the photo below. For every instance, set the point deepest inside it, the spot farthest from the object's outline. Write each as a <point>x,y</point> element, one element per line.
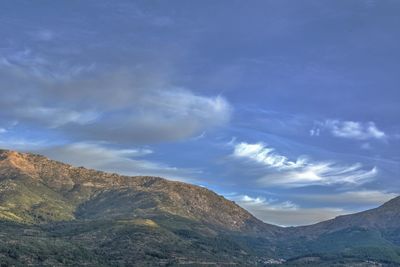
<point>13,163</point>
<point>145,213</point>
<point>95,194</point>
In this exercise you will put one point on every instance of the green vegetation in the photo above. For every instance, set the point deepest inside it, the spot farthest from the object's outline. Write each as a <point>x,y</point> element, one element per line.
<point>52,214</point>
<point>28,202</point>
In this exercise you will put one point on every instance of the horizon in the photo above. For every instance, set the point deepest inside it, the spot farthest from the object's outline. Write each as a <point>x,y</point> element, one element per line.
<point>289,109</point>
<point>282,226</point>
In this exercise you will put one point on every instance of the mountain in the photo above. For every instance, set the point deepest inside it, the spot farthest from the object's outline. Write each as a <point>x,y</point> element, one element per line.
<point>32,185</point>
<point>148,214</point>
<point>373,234</point>
<point>54,214</point>
<point>384,217</point>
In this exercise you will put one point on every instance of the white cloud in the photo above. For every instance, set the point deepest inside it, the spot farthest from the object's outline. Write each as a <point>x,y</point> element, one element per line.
<point>315,132</point>
<point>280,171</point>
<point>265,155</point>
<point>250,201</point>
<point>284,213</point>
<point>2,130</point>
<point>354,130</point>
<point>321,173</point>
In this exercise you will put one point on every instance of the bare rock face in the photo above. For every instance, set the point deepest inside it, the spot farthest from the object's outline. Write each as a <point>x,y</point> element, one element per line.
<point>94,194</point>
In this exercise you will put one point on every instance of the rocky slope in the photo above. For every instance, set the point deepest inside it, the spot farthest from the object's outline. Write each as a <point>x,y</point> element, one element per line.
<point>83,193</point>
<point>54,214</point>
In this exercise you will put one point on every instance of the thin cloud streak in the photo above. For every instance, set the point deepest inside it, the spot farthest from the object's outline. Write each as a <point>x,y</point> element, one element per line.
<point>353,198</point>
<point>280,171</point>
<point>131,162</point>
<point>266,156</point>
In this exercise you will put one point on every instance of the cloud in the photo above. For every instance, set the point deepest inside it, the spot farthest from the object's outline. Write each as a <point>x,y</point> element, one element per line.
<point>43,35</point>
<point>2,130</point>
<point>38,69</point>
<point>22,144</point>
<point>284,213</point>
<point>56,117</point>
<point>356,198</point>
<point>125,106</point>
<point>278,170</point>
<point>287,213</point>
<point>354,130</point>
<point>100,156</point>
<point>315,132</point>
<point>266,156</point>
<point>130,162</point>
<point>366,146</point>
<point>321,173</point>
<point>159,115</point>
<point>286,205</point>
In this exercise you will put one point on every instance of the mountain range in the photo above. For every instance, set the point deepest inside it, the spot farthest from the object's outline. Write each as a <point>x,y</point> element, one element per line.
<point>54,214</point>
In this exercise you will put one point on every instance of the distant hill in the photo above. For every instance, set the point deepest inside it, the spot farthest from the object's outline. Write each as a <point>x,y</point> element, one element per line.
<point>373,234</point>
<point>54,214</point>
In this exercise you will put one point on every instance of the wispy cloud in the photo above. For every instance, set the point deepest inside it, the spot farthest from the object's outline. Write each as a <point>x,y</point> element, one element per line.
<point>100,156</point>
<point>56,117</point>
<point>38,67</point>
<point>22,144</point>
<point>354,130</point>
<point>266,156</point>
<point>271,204</point>
<point>284,213</point>
<point>123,161</point>
<point>356,198</point>
<point>280,171</point>
<point>44,35</point>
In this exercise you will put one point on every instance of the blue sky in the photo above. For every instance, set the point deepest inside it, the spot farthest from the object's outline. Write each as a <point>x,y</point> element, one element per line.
<point>289,108</point>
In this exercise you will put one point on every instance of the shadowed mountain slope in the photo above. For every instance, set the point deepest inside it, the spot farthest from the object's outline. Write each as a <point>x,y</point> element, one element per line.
<point>386,216</point>
<point>369,235</point>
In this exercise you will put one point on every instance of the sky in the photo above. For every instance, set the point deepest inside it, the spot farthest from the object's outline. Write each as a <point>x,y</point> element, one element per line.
<point>289,108</point>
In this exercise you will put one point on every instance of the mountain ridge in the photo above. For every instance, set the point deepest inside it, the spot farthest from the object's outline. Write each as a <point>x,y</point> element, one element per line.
<point>78,184</point>
<point>52,213</point>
